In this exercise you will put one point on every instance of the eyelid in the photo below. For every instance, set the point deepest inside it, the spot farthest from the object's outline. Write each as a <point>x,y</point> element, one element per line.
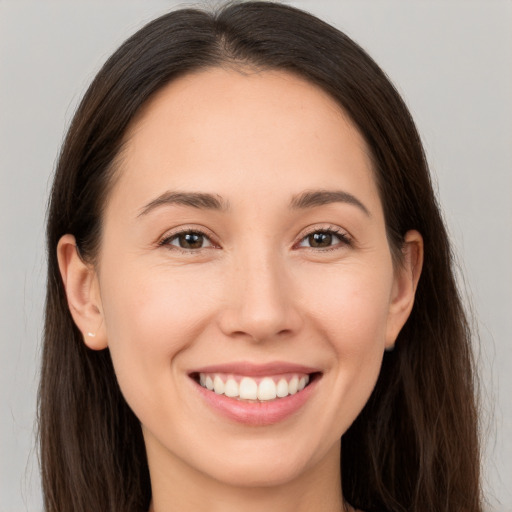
<point>163,241</point>
<point>337,231</point>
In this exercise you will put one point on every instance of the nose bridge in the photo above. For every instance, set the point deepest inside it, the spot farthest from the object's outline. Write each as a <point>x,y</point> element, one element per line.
<point>260,303</point>
<point>260,275</point>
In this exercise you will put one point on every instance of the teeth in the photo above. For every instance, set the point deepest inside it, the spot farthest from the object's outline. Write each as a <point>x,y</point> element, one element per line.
<point>249,389</point>
<point>293,385</point>
<point>282,388</point>
<point>218,385</point>
<point>231,388</point>
<point>267,389</point>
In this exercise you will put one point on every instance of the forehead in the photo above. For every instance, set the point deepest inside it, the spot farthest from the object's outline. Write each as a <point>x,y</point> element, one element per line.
<point>218,127</point>
<point>193,90</point>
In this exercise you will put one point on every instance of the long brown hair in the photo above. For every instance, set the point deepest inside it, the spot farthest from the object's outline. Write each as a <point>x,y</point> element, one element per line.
<point>414,447</point>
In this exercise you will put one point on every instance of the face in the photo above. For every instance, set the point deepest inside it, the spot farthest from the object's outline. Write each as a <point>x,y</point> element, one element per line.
<point>244,249</point>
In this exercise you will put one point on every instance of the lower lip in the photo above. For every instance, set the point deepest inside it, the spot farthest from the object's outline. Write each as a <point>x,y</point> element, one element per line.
<point>257,413</point>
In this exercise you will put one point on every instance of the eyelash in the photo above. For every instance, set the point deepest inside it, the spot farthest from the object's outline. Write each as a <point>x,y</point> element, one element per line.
<point>166,242</point>
<point>344,238</point>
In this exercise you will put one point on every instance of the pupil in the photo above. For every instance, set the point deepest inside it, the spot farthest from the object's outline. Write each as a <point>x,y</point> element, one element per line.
<point>320,239</point>
<point>191,241</point>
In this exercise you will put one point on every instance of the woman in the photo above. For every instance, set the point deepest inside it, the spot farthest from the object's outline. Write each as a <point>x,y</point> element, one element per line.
<point>250,302</point>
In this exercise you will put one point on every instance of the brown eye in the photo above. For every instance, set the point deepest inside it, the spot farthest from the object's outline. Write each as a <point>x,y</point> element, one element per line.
<point>320,239</point>
<point>189,240</point>
<point>325,239</point>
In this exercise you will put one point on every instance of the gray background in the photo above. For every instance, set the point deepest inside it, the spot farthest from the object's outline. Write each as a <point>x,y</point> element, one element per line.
<point>452,61</point>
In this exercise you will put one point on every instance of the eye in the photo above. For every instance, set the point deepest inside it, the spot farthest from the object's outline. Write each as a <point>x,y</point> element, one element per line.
<point>188,240</point>
<point>325,239</point>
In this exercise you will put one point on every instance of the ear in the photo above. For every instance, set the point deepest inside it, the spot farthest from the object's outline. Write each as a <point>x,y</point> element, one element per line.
<point>405,283</point>
<point>83,293</point>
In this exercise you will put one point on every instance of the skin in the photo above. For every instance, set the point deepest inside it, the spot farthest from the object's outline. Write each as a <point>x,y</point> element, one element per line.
<point>256,291</point>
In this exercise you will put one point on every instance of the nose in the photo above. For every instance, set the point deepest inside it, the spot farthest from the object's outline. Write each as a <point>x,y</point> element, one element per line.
<point>260,303</point>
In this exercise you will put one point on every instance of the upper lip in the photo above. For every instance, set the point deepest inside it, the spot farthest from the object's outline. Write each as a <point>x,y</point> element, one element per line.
<point>256,370</point>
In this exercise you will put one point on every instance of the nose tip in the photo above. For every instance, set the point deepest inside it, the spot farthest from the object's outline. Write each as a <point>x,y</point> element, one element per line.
<point>260,305</point>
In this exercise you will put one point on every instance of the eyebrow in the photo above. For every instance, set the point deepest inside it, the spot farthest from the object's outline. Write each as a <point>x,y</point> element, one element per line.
<point>195,199</point>
<point>201,200</point>
<point>312,198</point>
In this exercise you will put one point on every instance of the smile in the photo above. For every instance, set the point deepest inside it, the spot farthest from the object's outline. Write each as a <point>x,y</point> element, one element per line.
<point>256,395</point>
<point>249,388</point>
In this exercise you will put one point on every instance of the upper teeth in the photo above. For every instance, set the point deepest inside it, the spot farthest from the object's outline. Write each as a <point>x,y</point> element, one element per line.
<point>247,388</point>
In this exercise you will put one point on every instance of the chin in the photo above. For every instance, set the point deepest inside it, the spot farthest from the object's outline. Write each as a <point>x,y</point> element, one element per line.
<point>265,463</point>
<point>259,473</point>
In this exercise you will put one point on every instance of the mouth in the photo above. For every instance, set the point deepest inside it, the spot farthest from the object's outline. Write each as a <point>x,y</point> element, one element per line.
<point>254,389</point>
<point>256,395</point>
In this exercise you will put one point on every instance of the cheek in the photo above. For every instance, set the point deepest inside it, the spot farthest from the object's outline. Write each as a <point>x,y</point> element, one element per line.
<point>350,309</point>
<point>151,316</point>
<point>351,305</point>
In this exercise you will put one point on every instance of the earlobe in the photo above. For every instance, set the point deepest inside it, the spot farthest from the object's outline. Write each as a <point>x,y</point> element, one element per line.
<point>407,276</point>
<point>82,291</point>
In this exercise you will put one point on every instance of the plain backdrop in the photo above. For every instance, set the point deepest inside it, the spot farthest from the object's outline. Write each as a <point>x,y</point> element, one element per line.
<point>451,60</point>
